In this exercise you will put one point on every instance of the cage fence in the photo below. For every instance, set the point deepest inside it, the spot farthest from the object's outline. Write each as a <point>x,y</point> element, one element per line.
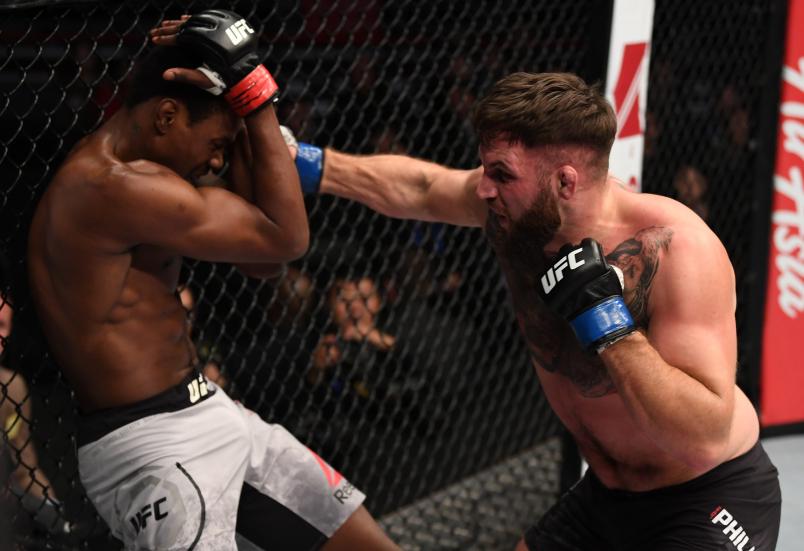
<point>446,431</point>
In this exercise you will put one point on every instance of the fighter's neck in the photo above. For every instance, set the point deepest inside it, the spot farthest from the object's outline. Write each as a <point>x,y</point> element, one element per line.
<point>125,134</point>
<point>596,212</point>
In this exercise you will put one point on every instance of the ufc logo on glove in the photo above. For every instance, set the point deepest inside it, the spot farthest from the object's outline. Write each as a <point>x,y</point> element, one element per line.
<point>237,32</point>
<point>232,64</point>
<point>556,273</point>
<point>587,292</point>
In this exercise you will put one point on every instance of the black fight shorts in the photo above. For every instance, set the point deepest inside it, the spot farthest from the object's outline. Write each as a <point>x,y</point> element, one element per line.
<point>737,505</point>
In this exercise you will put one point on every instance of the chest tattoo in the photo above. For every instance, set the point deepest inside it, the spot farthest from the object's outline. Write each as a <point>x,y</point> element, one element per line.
<point>551,341</point>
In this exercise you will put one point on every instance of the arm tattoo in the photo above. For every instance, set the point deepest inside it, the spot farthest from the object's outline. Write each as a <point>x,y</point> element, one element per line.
<point>551,341</point>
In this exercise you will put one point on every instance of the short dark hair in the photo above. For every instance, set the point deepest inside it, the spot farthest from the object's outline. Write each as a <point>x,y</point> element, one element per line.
<point>146,82</point>
<point>537,109</point>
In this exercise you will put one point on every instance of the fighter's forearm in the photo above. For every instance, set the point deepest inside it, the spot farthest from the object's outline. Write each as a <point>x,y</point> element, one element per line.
<point>275,182</point>
<point>678,412</point>
<point>393,185</point>
<point>239,182</point>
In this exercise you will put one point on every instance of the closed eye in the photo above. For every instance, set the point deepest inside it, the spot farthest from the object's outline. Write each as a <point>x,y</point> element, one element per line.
<point>500,176</point>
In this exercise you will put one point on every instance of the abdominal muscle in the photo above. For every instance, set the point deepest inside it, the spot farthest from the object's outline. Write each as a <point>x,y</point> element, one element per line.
<point>140,358</point>
<point>618,452</point>
<point>134,348</point>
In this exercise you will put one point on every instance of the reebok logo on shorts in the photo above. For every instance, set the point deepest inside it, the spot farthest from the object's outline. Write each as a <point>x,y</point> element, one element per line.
<point>732,529</point>
<point>342,494</point>
<point>343,488</point>
<point>333,477</point>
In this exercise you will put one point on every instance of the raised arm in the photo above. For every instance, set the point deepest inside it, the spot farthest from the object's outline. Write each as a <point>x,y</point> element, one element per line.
<point>145,203</point>
<point>274,180</point>
<point>246,174</point>
<point>404,187</point>
<point>678,380</point>
<point>262,169</point>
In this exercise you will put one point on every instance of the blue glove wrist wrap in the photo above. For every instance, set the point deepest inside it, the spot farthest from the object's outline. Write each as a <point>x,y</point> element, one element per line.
<point>310,165</point>
<point>605,319</point>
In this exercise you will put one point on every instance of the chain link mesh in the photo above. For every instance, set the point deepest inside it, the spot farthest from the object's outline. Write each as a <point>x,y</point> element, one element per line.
<point>456,395</point>
<point>707,76</point>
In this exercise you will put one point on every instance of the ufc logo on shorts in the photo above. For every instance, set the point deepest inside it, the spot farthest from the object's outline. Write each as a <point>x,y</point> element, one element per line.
<point>237,32</point>
<point>197,388</point>
<point>155,509</point>
<point>736,533</point>
<point>556,273</point>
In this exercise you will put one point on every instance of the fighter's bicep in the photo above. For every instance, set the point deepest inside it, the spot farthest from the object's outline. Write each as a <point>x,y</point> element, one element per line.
<point>147,206</point>
<point>705,351</point>
<point>692,323</point>
<point>205,223</point>
<point>220,226</point>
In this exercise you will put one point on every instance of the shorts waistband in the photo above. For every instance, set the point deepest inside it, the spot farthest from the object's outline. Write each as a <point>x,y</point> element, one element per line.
<point>192,390</point>
<point>754,460</point>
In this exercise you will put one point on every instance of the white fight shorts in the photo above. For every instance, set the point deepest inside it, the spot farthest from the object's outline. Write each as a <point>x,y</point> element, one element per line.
<point>186,469</point>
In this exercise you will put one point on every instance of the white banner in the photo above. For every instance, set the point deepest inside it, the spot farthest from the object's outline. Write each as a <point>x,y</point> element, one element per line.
<point>627,85</point>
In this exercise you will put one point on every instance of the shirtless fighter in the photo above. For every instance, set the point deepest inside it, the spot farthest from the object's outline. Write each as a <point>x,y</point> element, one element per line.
<point>169,461</point>
<point>627,304</point>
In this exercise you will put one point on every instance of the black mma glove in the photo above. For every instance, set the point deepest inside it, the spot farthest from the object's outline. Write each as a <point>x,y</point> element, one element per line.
<point>586,291</point>
<point>228,46</point>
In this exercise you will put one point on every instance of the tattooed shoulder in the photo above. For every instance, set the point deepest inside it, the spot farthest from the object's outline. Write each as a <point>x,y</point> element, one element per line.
<point>639,258</point>
<point>553,345</point>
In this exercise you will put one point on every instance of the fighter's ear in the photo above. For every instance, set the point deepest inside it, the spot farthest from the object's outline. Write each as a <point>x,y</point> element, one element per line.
<point>167,111</point>
<point>567,181</point>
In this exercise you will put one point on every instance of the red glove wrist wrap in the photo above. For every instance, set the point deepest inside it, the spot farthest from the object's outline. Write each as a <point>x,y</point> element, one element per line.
<point>254,90</point>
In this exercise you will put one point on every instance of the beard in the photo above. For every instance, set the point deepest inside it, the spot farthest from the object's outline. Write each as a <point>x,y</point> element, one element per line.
<point>522,244</point>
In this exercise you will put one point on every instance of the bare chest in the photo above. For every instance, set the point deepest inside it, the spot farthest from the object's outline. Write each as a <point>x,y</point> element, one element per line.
<point>551,341</point>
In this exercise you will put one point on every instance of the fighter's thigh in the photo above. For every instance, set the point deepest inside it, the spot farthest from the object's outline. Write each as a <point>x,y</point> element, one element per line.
<point>164,507</point>
<point>266,523</point>
<point>289,473</point>
<point>569,525</point>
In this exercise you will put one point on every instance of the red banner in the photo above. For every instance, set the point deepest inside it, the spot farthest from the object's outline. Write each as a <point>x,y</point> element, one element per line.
<point>627,85</point>
<point>626,91</point>
<point>782,398</point>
